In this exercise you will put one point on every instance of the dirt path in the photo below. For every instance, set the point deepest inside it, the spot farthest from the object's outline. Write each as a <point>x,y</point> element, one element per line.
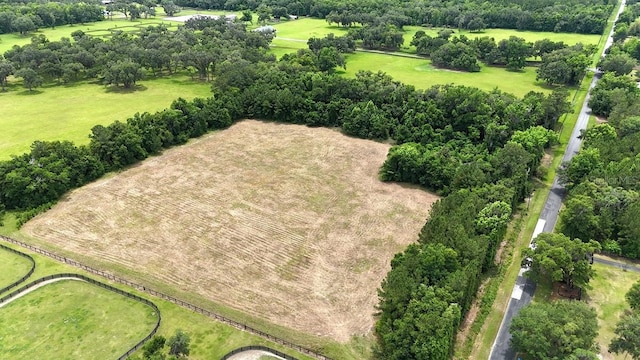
<point>23,293</point>
<point>253,355</point>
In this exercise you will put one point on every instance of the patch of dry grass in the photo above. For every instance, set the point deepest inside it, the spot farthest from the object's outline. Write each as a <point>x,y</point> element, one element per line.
<point>283,222</point>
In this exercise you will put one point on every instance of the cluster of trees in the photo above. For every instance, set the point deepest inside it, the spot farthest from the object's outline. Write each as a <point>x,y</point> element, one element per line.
<point>556,330</point>
<point>557,257</point>
<point>324,54</point>
<point>580,16</point>
<point>202,45</point>
<point>627,339</point>
<point>560,64</point>
<point>603,179</point>
<point>159,348</point>
<point>138,9</point>
<point>24,17</point>
<point>603,188</point>
<point>610,91</point>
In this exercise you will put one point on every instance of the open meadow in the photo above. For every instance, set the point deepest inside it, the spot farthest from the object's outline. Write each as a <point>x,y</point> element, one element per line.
<point>284,222</point>
<point>12,267</point>
<point>72,320</point>
<point>421,74</point>
<point>69,112</point>
<point>610,285</point>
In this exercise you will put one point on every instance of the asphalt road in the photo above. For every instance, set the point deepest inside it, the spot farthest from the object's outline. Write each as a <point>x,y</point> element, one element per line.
<point>524,289</point>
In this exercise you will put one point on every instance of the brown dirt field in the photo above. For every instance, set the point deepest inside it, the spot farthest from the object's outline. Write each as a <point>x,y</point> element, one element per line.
<point>284,222</point>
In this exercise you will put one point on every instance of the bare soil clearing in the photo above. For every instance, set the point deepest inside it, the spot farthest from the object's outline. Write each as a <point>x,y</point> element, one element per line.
<point>284,222</point>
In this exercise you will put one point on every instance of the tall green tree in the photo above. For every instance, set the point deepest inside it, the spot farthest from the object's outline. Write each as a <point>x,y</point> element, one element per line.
<point>633,297</point>
<point>556,330</point>
<point>627,339</point>
<point>6,69</point>
<point>179,344</point>
<point>556,257</point>
<point>30,78</point>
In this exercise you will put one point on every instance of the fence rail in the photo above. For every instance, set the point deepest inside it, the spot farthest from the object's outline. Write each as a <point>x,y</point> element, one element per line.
<point>261,348</point>
<point>102,285</point>
<point>26,276</point>
<point>223,319</point>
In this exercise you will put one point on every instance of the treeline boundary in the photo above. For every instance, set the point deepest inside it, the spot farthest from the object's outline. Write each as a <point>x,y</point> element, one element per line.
<point>184,304</point>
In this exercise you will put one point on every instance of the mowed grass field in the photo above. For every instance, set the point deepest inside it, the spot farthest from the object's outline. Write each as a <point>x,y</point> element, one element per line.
<point>286,223</point>
<point>69,112</point>
<point>72,320</point>
<point>12,267</point>
<point>607,296</point>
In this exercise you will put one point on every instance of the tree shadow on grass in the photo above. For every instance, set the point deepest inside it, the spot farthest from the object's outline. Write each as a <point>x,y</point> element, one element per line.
<point>30,92</point>
<point>123,90</point>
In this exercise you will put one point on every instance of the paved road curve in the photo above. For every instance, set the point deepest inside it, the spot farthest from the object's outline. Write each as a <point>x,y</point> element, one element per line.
<point>524,288</point>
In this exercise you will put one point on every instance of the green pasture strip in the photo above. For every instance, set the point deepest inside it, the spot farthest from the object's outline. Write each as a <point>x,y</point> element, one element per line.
<point>210,339</point>
<point>72,320</point>
<point>60,112</point>
<point>610,285</point>
<point>12,267</point>
<point>421,74</point>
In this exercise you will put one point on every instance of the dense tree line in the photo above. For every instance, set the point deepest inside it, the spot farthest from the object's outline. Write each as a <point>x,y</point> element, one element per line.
<point>29,16</point>
<point>603,182</point>
<point>202,45</point>
<point>478,148</point>
<point>580,16</point>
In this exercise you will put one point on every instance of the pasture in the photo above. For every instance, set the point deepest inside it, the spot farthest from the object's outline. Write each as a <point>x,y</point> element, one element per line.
<point>12,267</point>
<point>69,112</point>
<point>607,296</point>
<point>421,74</point>
<point>286,223</point>
<point>72,320</point>
<point>306,28</point>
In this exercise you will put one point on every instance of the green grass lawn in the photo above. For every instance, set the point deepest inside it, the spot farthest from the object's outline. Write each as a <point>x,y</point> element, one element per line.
<point>69,112</point>
<point>421,74</point>
<point>72,320</point>
<point>607,296</point>
<point>12,267</point>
